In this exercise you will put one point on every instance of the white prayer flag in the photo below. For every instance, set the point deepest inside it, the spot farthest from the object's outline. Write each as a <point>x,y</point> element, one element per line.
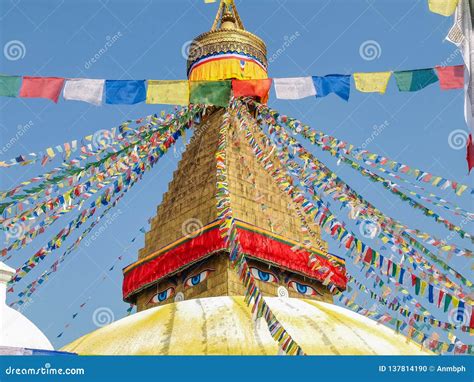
<point>83,89</point>
<point>462,35</point>
<point>294,88</point>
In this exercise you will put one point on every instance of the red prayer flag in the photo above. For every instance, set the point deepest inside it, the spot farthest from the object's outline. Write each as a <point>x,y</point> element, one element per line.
<point>250,88</point>
<point>42,87</point>
<point>470,153</point>
<point>450,77</point>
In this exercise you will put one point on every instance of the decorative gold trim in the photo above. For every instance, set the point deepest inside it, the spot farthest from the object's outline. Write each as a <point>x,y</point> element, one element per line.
<point>227,40</point>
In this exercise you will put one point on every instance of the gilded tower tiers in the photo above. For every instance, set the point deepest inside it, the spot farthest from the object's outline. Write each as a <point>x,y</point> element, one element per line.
<point>184,256</point>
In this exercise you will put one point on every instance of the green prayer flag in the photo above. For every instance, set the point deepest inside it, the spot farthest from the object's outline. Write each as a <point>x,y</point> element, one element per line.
<point>211,92</point>
<point>413,80</point>
<point>417,286</point>
<point>447,301</point>
<point>9,86</point>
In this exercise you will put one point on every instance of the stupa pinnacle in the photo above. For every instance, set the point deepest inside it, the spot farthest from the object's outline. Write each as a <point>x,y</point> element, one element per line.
<point>184,256</point>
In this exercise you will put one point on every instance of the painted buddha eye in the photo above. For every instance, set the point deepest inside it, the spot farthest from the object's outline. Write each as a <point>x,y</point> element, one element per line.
<point>162,296</point>
<point>266,277</point>
<point>303,289</point>
<point>197,279</point>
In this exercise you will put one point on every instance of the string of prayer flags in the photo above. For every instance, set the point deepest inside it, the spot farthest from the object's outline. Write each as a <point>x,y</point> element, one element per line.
<point>211,92</point>
<point>168,92</point>
<point>294,88</point>
<point>10,86</point>
<point>177,92</point>
<point>229,232</point>
<point>251,88</point>
<point>372,82</point>
<point>84,89</point>
<point>333,83</point>
<point>124,92</point>
<point>42,87</point>
<point>443,7</point>
<point>414,80</point>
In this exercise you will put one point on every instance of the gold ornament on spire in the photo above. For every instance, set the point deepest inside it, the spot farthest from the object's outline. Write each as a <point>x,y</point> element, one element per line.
<point>227,50</point>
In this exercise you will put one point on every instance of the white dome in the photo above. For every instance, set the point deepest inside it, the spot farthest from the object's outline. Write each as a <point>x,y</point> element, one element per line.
<point>18,331</point>
<point>15,329</point>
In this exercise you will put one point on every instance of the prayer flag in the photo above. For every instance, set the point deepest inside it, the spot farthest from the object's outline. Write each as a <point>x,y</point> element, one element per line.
<point>294,88</point>
<point>451,77</point>
<point>244,88</point>
<point>83,89</point>
<point>333,83</point>
<point>9,86</point>
<point>461,35</point>
<point>126,92</point>
<point>414,80</point>
<point>372,82</point>
<point>168,92</point>
<point>41,87</point>
<point>210,92</point>
<point>443,7</point>
<point>470,153</point>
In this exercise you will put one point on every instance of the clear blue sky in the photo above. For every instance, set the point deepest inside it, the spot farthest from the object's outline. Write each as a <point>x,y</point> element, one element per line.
<point>60,37</point>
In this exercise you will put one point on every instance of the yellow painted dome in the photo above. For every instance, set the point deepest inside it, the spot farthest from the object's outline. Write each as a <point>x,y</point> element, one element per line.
<point>224,326</point>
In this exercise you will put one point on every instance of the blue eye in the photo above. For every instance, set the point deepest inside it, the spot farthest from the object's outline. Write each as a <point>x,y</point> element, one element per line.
<point>162,296</point>
<point>266,277</point>
<point>303,289</point>
<point>197,279</point>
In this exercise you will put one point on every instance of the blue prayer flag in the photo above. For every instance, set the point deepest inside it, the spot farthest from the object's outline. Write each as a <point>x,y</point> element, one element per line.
<point>127,92</point>
<point>333,83</point>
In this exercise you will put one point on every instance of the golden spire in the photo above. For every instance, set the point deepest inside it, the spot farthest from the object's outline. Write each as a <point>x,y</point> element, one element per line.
<point>227,17</point>
<point>228,37</point>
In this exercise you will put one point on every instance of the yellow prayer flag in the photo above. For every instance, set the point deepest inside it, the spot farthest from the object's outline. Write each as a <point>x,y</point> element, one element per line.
<point>443,7</point>
<point>372,82</point>
<point>209,1</point>
<point>168,92</point>
<point>50,152</point>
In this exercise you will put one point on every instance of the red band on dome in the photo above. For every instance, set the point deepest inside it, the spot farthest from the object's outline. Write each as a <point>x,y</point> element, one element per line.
<point>258,245</point>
